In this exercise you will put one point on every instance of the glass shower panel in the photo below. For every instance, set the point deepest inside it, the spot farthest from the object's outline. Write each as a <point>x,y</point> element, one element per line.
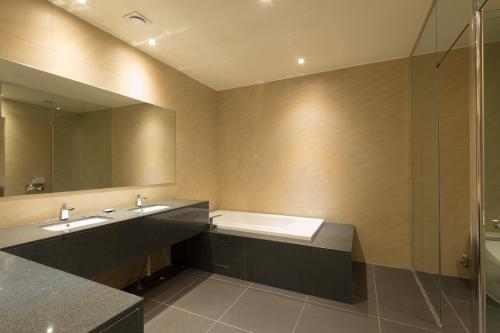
<point>492,165</point>
<point>454,103</point>
<point>453,16</point>
<point>425,164</point>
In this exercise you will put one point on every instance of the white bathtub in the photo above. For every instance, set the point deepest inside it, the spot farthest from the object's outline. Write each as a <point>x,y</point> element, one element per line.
<point>275,225</point>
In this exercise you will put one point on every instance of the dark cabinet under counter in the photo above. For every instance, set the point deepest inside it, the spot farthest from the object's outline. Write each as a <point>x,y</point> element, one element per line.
<point>91,252</point>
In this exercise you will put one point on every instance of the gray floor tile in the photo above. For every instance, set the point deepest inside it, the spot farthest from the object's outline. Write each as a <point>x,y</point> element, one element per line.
<point>396,278</point>
<point>209,298</point>
<point>405,307</point>
<point>279,291</point>
<point>431,284</point>
<point>392,327</point>
<point>364,301</point>
<point>170,287</point>
<point>260,311</point>
<point>176,321</point>
<point>223,328</point>
<point>464,311</point>
<point>150,305</point>
<point>319,319</point>
<point>229,279</point>
<point>449,320</point>
<point>457,288</point>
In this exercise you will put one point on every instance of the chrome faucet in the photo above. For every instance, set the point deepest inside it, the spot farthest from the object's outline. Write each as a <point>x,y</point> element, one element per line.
<point>138,200</point>
<point>211,225</point>
<point>64,212</point>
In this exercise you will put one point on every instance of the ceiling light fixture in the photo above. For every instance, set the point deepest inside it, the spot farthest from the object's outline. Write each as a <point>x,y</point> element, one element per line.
<point>152,41</point>
<point>301,61</point>
<point>81,2</point>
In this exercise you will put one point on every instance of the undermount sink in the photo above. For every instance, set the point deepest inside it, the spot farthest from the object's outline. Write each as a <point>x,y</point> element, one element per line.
<point>149,209</point>
<point>68,225</point>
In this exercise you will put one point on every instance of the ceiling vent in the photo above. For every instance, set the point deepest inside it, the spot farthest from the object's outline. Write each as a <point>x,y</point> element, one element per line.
<point>137,18</point>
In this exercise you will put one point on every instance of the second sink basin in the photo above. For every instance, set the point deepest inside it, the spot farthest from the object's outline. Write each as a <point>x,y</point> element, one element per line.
<point>68,225</point>
<point>149,209</point>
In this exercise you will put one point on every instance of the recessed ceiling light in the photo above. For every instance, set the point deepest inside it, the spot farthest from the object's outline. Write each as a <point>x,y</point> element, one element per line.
<point>82,2</point>
<point>58,108</point>
<point>301,61</point>
<point>152,41</point>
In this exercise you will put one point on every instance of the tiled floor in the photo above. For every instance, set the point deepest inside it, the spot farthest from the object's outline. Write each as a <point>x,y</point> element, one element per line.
<point>386,300</point>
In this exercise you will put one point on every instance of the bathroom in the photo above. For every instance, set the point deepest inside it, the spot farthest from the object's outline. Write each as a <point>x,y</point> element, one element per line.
<point>249,166</point>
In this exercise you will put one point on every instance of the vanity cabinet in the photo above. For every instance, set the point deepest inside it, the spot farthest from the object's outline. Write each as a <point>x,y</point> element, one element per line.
<point>97,250</point>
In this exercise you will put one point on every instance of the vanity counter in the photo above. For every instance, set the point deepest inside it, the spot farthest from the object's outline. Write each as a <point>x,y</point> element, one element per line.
<point>24,234</point>
<point>37,298</point>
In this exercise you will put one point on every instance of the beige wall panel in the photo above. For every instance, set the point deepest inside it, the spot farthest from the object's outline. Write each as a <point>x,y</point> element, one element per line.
<point>48,38</point>
<point>142,145</point>
<point>332,145</point>
<point>454,106</point>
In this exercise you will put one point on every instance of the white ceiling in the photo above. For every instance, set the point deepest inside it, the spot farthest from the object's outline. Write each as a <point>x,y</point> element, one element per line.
<point>233,43</point>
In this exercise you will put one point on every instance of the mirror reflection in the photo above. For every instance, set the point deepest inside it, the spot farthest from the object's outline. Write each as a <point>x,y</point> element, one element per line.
<point>60,135</point>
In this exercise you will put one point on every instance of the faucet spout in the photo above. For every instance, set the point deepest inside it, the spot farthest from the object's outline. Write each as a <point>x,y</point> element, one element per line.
<point>211,225</point>
<point>138,200</point>
<point>64,212</point>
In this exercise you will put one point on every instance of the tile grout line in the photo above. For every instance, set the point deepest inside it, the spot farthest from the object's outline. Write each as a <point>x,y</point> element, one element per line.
<point>427,299</point>
<point>410,325</point>
<point>376,298</point>
<point>229,308</point>
<point>279,294</point>
<point>338,308</point>
<point>199,277</point>
<point>300,314</point>
<point>158,304</point>
<point>454,311</point>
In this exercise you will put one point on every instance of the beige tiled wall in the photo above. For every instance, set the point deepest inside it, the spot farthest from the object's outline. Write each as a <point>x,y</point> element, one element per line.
<point>41,35</point>
<point>454,161</point>
<point>332,145</point>
<point>142,145</point>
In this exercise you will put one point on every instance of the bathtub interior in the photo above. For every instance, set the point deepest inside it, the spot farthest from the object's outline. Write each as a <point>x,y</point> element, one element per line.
<point>303,228</point>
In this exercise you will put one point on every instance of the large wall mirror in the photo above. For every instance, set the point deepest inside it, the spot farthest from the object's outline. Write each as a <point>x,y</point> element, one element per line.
<point>59,135</point>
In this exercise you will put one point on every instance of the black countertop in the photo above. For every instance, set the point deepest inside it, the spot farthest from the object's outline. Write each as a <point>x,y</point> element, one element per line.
<point>37,298</point>
<point>27,233</point>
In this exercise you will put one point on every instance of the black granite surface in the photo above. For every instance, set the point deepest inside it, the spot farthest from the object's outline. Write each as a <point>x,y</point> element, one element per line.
<point>24,234</point>
<point>92,252</point>
<point>37,298</point>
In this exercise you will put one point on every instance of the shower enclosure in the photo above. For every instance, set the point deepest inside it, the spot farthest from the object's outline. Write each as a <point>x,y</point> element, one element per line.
<point>443,81</point>
<point>455,163</point>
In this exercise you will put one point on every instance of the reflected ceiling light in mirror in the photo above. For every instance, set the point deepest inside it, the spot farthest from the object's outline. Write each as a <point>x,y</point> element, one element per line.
<point>301,61</point>
<point>152,41</point>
